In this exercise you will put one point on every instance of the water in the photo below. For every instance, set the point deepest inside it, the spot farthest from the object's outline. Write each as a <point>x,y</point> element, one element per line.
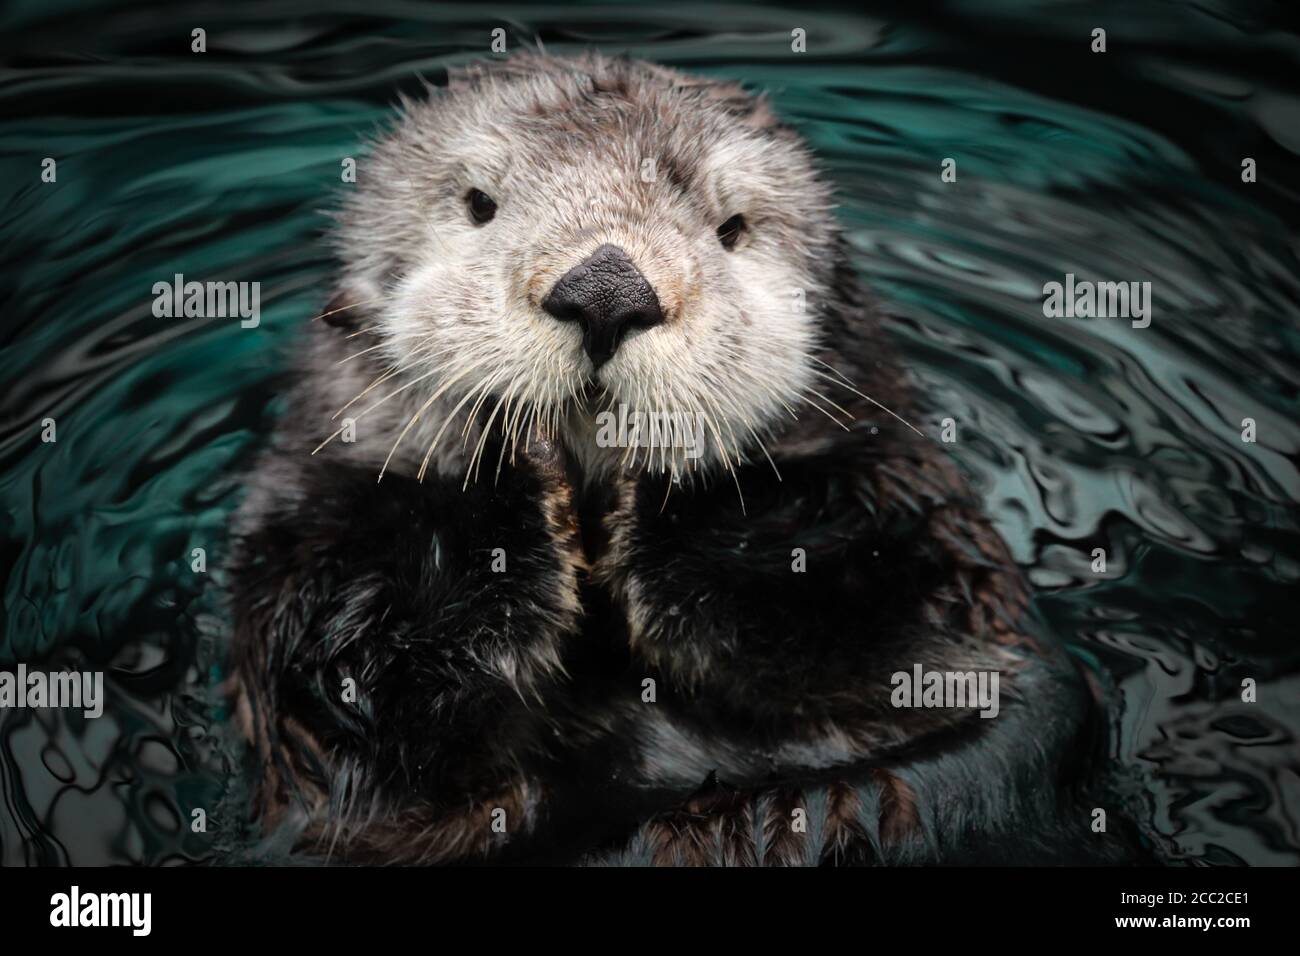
<point>1079,433</point>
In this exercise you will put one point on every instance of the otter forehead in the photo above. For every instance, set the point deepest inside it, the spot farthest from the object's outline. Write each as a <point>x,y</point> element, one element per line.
<point>617,127</point>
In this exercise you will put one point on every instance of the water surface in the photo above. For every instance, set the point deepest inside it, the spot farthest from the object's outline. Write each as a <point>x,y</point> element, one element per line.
<point>1079,433</point>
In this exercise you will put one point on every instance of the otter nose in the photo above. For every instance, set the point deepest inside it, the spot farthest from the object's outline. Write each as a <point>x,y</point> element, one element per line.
<point>606,296</point>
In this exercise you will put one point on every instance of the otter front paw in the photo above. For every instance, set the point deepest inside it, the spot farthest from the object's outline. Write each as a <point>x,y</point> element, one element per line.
<point>398,627</point>
<point>805,604</point>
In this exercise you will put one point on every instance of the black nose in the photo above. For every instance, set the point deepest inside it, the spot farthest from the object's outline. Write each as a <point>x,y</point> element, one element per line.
<point>606,296</point>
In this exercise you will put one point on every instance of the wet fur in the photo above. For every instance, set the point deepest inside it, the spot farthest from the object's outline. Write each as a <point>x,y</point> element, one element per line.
<point>523,690</point>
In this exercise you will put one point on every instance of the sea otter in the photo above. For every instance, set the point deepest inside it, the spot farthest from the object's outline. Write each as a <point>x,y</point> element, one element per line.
<point>469,628</point>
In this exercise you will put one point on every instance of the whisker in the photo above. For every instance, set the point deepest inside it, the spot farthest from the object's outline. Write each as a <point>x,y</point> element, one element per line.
<point>839,408</point>
<point>487,383</point>
<point>763,448</point>
<point>371,408</point>
<point>351,305</point>
<point>388,341</point>
<point>843,378</point>
<point>392,370</point>
<point>379,380</point>
<point>883,408</point>
<point>826,413</point>
<point>420,411</point>
<point>487,428</point>
<point>349,358</point>
<point>509,430</point>
<point>473,413</point>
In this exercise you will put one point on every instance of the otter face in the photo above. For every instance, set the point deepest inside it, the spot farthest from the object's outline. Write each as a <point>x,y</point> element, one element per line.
<point>623,256</point>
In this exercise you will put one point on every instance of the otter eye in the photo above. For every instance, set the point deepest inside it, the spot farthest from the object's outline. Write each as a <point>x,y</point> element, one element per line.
<point>481,206</point>
<point>729,232</point>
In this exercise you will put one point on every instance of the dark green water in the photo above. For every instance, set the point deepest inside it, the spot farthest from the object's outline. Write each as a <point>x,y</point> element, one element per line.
<point>1080,433</point>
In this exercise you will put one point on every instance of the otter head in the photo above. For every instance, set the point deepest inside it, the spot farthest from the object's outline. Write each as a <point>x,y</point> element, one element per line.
<point>620,256</point>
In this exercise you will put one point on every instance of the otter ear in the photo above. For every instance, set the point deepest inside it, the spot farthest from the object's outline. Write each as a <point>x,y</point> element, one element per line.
<point>344,312</point>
